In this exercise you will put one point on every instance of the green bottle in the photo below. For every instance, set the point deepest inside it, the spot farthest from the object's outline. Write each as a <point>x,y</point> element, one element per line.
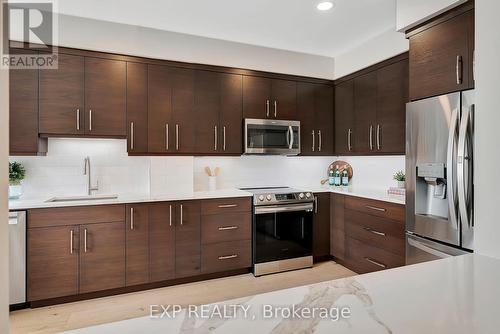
<point>337,177</point>
<point>345,177</point>
<point>331,177</point>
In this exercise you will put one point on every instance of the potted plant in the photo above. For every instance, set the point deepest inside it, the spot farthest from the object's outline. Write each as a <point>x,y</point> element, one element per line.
<point>16,176</point>
<point>401,178</point>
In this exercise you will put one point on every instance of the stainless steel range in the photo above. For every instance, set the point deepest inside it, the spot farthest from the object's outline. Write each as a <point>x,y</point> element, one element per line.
<point>282,229</point>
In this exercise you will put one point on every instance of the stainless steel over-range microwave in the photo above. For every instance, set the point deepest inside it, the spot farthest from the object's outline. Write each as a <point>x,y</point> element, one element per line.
<point>265,136</point>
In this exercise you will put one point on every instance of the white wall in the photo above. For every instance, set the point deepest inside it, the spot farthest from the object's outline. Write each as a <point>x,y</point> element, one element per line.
<point>487,159</point>
<point>410,13</point>
<point>382,47</point>
<point>138,41</point>
<point>4,153</point>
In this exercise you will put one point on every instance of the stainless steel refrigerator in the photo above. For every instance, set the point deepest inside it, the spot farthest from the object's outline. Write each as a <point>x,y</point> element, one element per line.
<point>440,177</point>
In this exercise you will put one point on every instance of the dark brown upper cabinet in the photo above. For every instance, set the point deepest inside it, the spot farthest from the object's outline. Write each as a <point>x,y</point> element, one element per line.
<point>23,114</point>
<point>218,105</point>
<point>315,106</point>
<point>160,116</point>
<point>137,108</point>
<point>344,118</point>
<point>184,117</point>
<point>105,97</point>
<point>269,98</point>
<point>365,112</point>
<point>441,56</point>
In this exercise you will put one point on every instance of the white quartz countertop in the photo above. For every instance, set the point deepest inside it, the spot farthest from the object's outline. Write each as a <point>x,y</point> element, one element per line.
<point>22,204</point>
<point>379,194</point>
<point>453,295</point>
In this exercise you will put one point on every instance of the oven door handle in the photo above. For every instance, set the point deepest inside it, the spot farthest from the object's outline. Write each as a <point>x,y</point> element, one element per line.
<point>284,208</point>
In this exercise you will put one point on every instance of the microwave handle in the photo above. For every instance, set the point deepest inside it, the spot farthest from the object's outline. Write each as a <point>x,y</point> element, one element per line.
<point>290,133</point>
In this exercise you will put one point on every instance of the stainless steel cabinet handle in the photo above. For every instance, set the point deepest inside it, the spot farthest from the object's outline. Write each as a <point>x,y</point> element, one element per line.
<point>459,68</point>
<point>375,208</point>
<point>370,135</point>
<point>177,137</point>
<point>275,108</point>
<point>215,138</point>
<point>166,137</point>
<point>85,240</point>
<point>313,143</point>
<point>170,215</point>
<point>182,213</point>
<point>372,261</point>
<point>224,138</point>
<point>378,137</point>
<point>319,141</point>
<point>224,206</point>
<point>227,228</point>
<point>131,218</point>
<point>71,236</point>
<point>315,204</point>
<point>267,108</point>
<point>227,257</point>
<point>78,119</point>
<point>131,136</point>
<point>374,231</point>
<point>90,119</point>
<point>349,146</point>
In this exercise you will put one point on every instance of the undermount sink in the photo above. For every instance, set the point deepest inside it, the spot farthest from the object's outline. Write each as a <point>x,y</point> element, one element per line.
<point>81,198</point>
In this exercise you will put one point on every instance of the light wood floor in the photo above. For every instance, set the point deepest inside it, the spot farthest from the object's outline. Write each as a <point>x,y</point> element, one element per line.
<point>59,318</point>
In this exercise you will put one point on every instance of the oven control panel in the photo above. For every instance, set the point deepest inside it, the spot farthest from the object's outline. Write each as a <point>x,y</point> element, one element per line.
<point>266,199</point>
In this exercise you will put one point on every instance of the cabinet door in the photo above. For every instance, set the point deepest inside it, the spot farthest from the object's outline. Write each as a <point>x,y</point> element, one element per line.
<point>307,116</point>
<point>185,119</point>
<point>365,112</point>
<point>440,58</point>
<point>344,117</point>
<point>137,108</point>
<point>230,116</point>
<point>321,231</point>
<point>105,97</point>
<point>137,243</point>
<point>102,256</point>
<point>207,107</point>
<point>392,96</point>
<point>337,232</point>
<point>284,99</point>
<point>52,262</point>
<point>324,111</point>
<point>23,113</point>
<point>160,119</point>
<point>62,97</point>
<point>256,97</point>
<point>187,239</point>
<point>161,241</point>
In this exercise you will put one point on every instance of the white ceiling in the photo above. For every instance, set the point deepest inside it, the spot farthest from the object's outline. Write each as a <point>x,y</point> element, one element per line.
<point>294,25</point>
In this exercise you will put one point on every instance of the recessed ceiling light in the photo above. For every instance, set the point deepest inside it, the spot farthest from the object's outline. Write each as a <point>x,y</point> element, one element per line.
<point>325,5</point>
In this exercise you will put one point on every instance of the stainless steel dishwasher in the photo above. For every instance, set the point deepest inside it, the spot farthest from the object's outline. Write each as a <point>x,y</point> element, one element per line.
<point>17,257</point>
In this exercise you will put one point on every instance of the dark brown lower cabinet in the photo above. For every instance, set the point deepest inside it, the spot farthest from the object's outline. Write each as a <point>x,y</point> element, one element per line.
<point>137,244</point>
<point>161,241</point>
<point>102,256</point>
<point>321,224</point>
<point>337,232</point>
<point>187,239</point>
<point>52,262</point>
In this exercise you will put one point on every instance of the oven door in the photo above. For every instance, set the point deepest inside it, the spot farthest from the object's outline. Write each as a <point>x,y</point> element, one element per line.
<point>282,232</point>
<point>264,136</point>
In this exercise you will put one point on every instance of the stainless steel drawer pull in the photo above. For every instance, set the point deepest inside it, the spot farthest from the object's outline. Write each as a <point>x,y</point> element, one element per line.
<point>375,208</point>
<point>131,136</point>
<point>177,137</point>
<point>182,214</point>
<point>313,143</point>
<point>349,145</point>
<point>225,206</point>
<point>267,108</point>
<point>370,135</point>
<point>90,119</point>
<point>319,140</point>
<point>71,236</point>
<point>374,231</point>
<point>215,138</point>
<point>224,138</point>
<point>85,240</point>
<point>275,108</point>
<point>372,261</point>
<point>166,137</point>
<point>227,228</point>
<point>227,257</point>
<point>378,137</point>
<point>78,119</point>
<point>170,215</point>
<point>131,218</point>
<point>459,68</point>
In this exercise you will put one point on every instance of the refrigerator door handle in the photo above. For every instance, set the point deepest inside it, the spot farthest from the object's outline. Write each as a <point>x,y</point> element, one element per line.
<point>464,165</point>
<point>451,168</point>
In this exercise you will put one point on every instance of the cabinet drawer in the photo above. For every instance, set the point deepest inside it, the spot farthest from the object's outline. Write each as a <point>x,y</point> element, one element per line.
<point>226,227</point>
<point>225,256</point>
<point>226,205</point>
<point>76,215</point>
<point>376,231</point>
<point>376,208</point>
<point>364,258</point>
